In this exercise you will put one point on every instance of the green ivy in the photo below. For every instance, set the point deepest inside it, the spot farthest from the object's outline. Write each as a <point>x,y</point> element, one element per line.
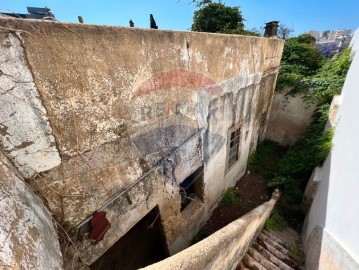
<point>329,80</point>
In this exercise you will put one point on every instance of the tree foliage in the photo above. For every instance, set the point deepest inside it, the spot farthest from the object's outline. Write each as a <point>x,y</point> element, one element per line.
<point>305,38</point>
<point>215,17</point>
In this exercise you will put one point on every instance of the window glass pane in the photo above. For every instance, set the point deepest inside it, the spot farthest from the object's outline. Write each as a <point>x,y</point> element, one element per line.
<point>233,151</point>
<point>231,161</point>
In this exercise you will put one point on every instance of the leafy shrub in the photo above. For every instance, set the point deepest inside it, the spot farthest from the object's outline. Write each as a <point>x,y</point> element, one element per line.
<point>230,198</point>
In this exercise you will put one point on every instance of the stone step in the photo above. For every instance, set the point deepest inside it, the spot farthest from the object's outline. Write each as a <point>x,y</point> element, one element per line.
<point>262,260</point>
<point>285,245</point>
<point>242,267</point>
<point>274,238</point>
<point>287,236</point>
<point>262,237</point>
<point>251,263</point>
<point>274,251</point>
<point>270,257</point>
<point>277,250</point>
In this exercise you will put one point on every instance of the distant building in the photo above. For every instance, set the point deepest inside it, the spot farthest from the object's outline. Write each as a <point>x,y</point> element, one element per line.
<point>331,42</point>
<point>34,13</point>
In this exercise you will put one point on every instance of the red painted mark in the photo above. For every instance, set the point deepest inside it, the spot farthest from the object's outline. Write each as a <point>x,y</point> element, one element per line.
<point>178,78</point>
<point>99,225</point>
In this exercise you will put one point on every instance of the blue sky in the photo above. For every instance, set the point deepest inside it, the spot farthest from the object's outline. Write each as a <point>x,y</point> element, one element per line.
<point>302,15</point>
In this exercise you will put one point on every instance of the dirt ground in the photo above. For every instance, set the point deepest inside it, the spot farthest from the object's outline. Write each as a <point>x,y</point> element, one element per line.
<point>252,192</point>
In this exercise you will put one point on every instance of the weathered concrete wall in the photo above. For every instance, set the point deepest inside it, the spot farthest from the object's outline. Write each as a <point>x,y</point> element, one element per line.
<point>25,130</point>
<point>28,239</point>
<point>133,113</point>
<point>336,203</point>
<point>289,118</point>
<point>225,248</point>
<point>324,252</point>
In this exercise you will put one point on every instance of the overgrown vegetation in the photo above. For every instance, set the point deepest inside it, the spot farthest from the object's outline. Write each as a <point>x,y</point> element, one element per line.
<point>300,59</point>
<point>290,170</point>
<point>276,222</point>
<point>294,167</point>
<point>230,198</point>
<point>304,71</point>
<point>329,80</point>
<point>264,159</point>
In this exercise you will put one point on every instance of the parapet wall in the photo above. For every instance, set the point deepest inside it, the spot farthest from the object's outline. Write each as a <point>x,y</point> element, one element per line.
<point>116,118</point>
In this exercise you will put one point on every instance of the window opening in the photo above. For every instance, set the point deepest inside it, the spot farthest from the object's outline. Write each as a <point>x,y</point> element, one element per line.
<point>234,139</point>
<point>191,189</point>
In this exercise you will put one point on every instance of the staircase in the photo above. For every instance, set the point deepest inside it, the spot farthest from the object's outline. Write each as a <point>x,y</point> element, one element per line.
<point>274,251</point>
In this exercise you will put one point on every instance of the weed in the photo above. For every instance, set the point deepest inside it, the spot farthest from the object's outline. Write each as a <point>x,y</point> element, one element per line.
<point>71,229</point>
<point>230,198</point>
<point>276,222</point>
<point>296,252</point>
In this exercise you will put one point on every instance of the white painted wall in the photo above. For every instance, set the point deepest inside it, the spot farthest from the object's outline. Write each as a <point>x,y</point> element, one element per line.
<point>336,205</point>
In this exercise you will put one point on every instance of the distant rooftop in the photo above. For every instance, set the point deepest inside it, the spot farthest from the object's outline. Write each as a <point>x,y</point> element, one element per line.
<point>34,13</point>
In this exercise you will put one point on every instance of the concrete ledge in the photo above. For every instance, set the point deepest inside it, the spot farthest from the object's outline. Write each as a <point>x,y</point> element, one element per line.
<point>224,248</point>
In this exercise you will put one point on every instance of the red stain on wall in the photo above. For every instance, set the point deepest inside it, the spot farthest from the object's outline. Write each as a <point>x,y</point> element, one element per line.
<point>178,78</point>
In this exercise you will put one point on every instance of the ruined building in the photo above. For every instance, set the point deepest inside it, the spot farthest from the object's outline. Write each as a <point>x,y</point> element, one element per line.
<point>108,130</point>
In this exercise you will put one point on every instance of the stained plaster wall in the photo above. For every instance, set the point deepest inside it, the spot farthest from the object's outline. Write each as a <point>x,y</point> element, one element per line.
<point>133,112</point>
<point>289,117</point>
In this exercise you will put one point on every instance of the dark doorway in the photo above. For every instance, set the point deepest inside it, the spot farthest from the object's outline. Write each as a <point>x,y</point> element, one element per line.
<point>143,245</point>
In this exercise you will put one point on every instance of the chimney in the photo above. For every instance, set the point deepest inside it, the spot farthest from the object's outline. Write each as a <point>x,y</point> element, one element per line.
<point>271,29</point>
